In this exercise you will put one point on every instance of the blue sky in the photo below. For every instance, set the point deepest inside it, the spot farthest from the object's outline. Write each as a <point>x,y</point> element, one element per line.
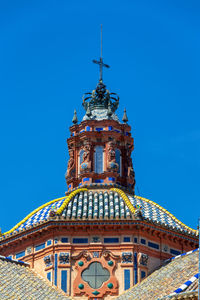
<point>153,49</point>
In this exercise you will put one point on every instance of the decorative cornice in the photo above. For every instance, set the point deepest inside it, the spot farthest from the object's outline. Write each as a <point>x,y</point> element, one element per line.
<point>62,222</point>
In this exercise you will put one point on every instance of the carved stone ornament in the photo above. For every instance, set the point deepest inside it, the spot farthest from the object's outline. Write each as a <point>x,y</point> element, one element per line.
<point>144,259</point>
<point>64,258</point>
<point>95,239</point>
<point>127,257</point>
<point>165,248</point>
<point>129,149</point>
<point>96,254</point>
<point>28,250</point>
<point>107,254</point>
<point>131,177</point>
<point>86,163</point>
<point>112,165</point>
<point>48,260</point>
<point>70,166</point>
<point>86,254</point>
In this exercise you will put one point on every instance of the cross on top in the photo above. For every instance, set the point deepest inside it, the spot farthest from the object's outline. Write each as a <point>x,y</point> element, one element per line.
<point>100,62</point>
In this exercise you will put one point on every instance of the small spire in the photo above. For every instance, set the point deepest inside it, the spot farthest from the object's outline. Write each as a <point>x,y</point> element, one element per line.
<point>125,118</point>
<point>75,119</point>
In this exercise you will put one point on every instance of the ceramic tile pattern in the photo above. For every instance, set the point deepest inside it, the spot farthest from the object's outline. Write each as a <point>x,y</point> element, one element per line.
<point>104,205</point>
<point>18,282</point>
<point>165,280</point>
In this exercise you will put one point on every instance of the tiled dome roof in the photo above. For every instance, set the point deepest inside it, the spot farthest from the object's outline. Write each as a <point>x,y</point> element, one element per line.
<point>103,204</point>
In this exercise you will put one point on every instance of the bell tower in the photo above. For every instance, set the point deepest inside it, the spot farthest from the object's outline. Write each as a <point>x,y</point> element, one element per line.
<point>100,146</point>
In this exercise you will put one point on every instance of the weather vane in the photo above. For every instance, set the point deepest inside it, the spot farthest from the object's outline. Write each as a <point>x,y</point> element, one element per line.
<point>100,62</point>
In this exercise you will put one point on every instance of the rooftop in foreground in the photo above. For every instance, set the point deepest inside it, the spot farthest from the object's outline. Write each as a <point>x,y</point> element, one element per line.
<point>18,281</point>
<point>175,280</point>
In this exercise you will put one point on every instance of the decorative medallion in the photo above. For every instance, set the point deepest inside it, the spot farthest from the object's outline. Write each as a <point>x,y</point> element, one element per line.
<point>97,275</point>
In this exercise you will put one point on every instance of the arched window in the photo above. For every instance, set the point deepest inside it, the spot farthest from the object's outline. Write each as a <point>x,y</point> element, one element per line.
<point>118,159</point>
<point>98,160</point>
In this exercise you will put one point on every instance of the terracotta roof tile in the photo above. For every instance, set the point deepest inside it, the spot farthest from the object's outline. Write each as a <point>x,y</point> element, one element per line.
<point>20,282</point>
<point>165,280</point>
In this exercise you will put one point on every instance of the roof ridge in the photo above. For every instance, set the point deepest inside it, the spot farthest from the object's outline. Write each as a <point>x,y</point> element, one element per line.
<point>182,287</point>
<point>16,261</point>
<point>125,198</point>
<point>180,255</point>
<point>68,198</point>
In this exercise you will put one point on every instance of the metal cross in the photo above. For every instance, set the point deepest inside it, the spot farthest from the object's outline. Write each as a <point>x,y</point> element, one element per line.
<point>100,62</point>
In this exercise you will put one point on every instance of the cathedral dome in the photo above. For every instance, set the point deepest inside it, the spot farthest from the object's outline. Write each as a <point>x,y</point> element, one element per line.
<point>100,203</point>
